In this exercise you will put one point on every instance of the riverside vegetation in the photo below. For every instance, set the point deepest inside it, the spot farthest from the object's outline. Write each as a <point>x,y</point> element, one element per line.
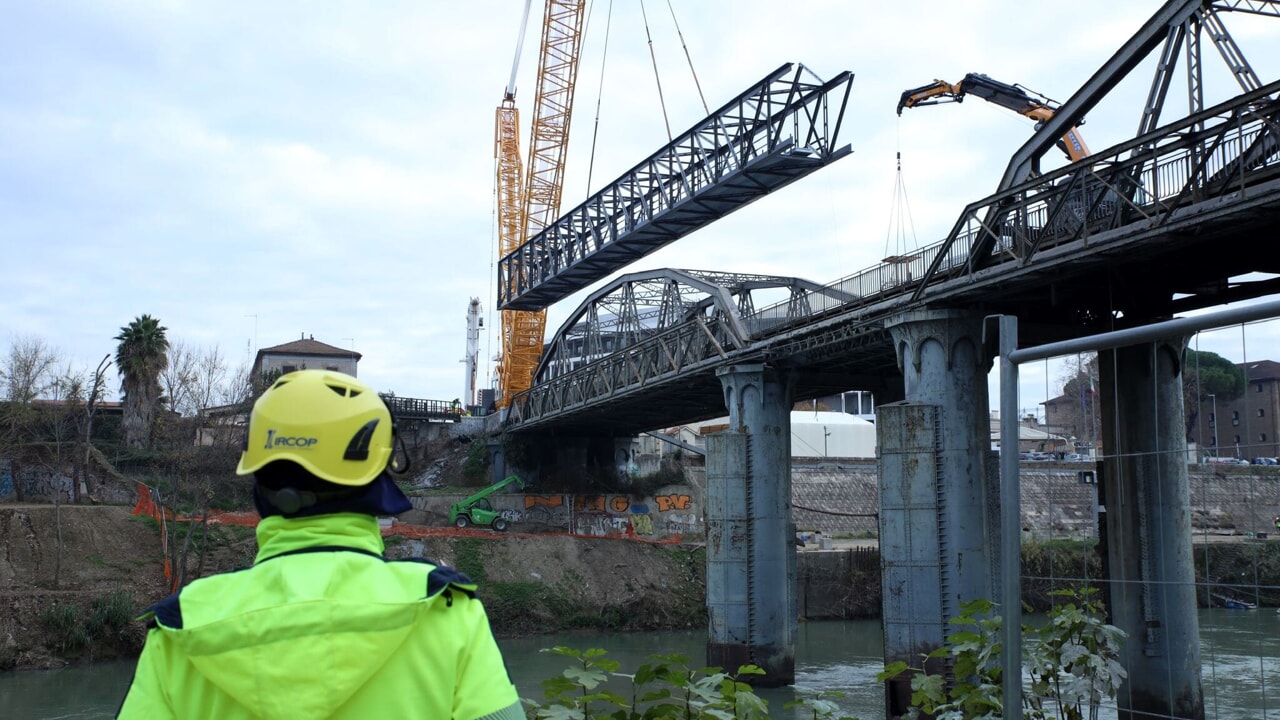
<point>1072,660</point>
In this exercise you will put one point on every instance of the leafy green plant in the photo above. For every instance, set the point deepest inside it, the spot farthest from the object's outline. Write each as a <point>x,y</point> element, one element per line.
<point>973,653</point>
<point>818,706</point>
<point>475,469</point>
<point>665,688</point>
<point>1073,661</point>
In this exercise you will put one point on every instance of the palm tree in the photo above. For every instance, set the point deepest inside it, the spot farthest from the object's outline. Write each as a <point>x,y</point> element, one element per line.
<point>140,357</point>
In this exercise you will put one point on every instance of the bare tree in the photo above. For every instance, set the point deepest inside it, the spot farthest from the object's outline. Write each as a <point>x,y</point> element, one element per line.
<point>25,372</point>
<point>201,452</point>
<point>97,389</point>
<point>28,368</point>
<point>213,383</point>
<point>1077,413</point>
<point>177,377</point>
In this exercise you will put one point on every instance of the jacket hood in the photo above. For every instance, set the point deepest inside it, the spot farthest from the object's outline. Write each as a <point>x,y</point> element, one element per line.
<point>303,635</point>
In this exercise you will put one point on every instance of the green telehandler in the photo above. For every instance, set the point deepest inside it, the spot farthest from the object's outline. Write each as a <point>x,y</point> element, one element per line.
<point>477,510</point>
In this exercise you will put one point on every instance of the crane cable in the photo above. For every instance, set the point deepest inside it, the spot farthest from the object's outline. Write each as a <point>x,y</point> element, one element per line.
<point>657,78</point>
<point>595,131</point>
<point>899,220</point>
<point>653,58</point>
<point>688,59</point>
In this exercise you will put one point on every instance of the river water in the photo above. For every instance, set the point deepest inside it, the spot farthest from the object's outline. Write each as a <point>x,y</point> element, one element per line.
<point>1241,668</point>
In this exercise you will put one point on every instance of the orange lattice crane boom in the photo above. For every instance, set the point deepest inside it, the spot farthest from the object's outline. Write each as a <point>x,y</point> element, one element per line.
<point>528,200</point>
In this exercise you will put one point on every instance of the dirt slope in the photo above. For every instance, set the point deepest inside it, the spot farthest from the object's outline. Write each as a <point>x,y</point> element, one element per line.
<point>60,598</point>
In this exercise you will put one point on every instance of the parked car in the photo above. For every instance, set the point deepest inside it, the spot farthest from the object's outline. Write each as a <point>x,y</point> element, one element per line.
<point>1264,461</point>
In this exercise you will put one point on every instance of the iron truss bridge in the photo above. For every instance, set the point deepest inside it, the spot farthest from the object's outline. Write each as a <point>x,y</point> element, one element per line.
<point>405,409</point>
<point>1098,243</point>
<point>778,131</point>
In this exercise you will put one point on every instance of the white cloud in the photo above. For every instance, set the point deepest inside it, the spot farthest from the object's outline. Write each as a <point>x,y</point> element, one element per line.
<point>327,167</point>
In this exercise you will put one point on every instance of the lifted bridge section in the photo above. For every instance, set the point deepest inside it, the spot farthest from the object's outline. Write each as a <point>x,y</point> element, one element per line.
<point>775,133</point>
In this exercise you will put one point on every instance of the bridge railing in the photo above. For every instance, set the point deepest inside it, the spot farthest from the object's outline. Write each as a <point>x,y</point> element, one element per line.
<point>1148,180</point>
<point>404,408</point>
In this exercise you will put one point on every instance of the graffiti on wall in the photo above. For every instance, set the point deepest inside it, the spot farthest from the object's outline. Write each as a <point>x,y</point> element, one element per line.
<point>667,503</point>
<point>604,515</point>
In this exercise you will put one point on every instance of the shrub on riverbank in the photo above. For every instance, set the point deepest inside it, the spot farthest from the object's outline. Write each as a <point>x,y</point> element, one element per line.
<point>100,627</point>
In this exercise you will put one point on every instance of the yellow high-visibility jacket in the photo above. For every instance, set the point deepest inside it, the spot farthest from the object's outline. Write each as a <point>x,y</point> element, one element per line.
<point>322,626</point>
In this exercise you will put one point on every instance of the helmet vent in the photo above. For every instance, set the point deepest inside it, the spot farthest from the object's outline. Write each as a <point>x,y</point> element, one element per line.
<point>342,391</point>
<point>358,448</point>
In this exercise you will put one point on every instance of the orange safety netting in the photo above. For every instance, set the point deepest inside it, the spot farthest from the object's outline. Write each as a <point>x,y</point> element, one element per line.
<point>147,505</point>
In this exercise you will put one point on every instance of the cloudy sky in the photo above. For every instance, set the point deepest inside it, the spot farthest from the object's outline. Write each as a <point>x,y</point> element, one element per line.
<point>250,172</point>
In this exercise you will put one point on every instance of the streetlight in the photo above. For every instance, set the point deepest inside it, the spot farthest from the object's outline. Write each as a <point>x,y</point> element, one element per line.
<point>1214,398</point>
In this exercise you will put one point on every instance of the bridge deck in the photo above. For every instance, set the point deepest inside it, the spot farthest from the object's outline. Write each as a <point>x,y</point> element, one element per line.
<point>1182,211</point>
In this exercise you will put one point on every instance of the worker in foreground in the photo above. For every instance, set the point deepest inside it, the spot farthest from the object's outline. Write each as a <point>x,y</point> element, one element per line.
<point>322,625</point>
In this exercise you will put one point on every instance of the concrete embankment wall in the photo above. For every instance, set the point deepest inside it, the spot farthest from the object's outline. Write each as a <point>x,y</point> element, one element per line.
<point>840,498</point>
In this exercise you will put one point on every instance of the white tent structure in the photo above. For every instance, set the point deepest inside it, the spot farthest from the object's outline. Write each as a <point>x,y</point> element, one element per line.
<point>818,434</point>
<point>831,434</point>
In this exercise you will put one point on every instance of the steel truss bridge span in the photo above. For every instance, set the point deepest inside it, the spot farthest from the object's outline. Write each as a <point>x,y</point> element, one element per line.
<point>1092,246</point>
<point>778,131</point>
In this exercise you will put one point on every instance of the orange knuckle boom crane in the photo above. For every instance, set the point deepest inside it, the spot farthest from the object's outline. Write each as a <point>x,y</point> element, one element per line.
<point>1014,97</point>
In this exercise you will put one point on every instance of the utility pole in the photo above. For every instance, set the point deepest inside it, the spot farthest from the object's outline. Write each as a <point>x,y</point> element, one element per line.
<point>1214,398</point>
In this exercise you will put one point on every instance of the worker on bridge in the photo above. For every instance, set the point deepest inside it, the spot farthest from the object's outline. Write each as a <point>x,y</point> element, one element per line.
<point>322,625</point>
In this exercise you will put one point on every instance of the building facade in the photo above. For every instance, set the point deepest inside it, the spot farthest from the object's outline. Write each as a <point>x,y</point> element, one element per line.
<point>1249,426</point>
<point>306,353</point>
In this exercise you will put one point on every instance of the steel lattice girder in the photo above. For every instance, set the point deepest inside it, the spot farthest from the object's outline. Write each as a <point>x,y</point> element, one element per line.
<point>640,305</point>
<point>773,134</point>
<point>1203,167</point>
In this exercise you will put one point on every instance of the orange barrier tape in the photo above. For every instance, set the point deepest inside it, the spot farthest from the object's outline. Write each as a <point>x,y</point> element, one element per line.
<point>146,506</point>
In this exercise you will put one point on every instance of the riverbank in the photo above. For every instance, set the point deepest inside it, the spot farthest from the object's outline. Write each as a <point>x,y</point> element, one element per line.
<point>72,578</point>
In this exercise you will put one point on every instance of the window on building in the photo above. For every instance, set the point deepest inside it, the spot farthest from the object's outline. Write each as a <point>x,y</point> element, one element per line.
<point>1258,387</point>
<point>1262,437</point>
<point>1235,418</point>
<point>286,369</point>
<point>1262,412</point>
<point>1237,439</point>
<point>334,368</point>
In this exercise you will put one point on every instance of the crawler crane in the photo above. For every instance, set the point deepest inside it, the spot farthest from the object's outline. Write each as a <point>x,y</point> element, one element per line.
<point>526,205</point>
<point>1014,97</point>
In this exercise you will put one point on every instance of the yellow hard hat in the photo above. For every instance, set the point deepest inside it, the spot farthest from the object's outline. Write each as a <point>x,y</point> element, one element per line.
<point>331,424</point>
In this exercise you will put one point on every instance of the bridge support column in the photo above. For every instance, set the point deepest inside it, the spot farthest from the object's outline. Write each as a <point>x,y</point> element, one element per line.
<point>1147,530</point>
<point>939,489</point>
<point>751,555</point>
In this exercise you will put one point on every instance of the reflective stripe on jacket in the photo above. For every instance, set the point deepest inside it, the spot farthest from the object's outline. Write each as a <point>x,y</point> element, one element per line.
<point>322,626</point>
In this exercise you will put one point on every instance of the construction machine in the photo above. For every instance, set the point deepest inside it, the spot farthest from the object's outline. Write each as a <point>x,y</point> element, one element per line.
<point>529,196</point>
<point>477,510</point>
<point>1014,97</point>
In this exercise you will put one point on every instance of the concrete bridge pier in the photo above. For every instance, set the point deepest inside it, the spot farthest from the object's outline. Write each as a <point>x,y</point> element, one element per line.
<point>939,488</point>
<point>751,554</point>
<point>1146,529</point>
